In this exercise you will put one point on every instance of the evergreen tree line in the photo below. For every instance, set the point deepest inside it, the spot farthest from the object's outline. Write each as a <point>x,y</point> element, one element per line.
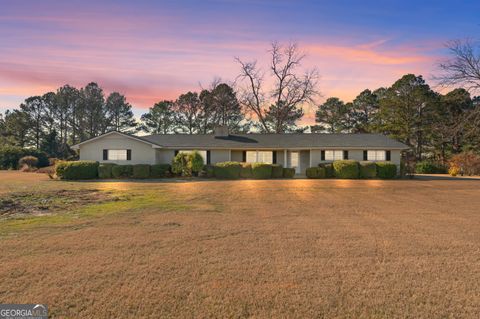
<point>56,120</point>
<point>434,125</point>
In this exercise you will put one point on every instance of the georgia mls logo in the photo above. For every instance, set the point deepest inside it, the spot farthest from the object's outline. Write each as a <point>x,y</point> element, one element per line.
<point>25,311</point>
<point>39,310</point>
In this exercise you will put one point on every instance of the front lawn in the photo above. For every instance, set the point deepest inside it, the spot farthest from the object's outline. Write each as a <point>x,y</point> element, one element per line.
<point>249,248</point>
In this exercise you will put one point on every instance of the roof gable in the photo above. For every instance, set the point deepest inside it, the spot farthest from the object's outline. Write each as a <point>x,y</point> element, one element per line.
<point>137,138</point>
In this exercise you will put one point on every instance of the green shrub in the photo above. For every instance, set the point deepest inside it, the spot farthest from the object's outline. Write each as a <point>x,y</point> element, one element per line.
<point>11,155</point>
<point>227,170</point>
<point>346,169</point>
<point>105,170</point>
<point>386,170</point>
<point>122,171</point>
<point>311,172</point>
<point>315,172</point>
<point>207,171</point>
<point>159,170</point>
<point>329,172</point>
<point>30,161</point>
<point>181,164</point>
<point>77,170</point>
<point>261,170</point>
<point>368,170</point>
<point>288,172</point>
<point>277,171</point>
<point>427,167</point>
<point>141,171</point>
<point>195,162</point>
<point>246,170</point>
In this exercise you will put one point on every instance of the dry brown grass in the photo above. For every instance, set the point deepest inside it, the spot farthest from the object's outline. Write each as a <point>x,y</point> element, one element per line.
<point>264,249</point>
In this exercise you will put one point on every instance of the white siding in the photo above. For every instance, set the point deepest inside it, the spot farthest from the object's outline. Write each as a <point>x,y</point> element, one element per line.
<point>142,153</point>
<point>164,156</point>
<point>395,157</point>
<point>355,155</point>
<point>217,156</point>
<point>237,156</point>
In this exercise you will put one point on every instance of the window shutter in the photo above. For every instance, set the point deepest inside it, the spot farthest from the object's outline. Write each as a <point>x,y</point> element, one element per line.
<point>244,156</point>
<point>322,155</point>
<point>176,152</point>
<point>345,155</point>
<point>365,155</point>
<point>105,155</point>
<point>388,155</point>
<point>274,157</point>
<point>208,157</point>
<point>129,155</point>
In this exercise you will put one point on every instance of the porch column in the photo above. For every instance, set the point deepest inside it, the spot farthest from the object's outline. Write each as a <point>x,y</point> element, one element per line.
<point>285,161</point>
<point>310,155</point>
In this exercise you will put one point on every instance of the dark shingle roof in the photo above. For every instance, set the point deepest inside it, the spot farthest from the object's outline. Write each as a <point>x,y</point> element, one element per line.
<point>256,141</point>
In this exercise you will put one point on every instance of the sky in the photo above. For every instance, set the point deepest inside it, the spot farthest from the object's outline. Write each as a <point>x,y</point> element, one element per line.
<point>155,50</point>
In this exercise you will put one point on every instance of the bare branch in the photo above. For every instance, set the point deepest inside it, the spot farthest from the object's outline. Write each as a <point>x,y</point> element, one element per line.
<point>282,106</point>
<point>463,68</point>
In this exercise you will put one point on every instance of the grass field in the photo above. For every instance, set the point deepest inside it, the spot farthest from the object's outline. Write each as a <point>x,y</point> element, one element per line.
<point>263,249</point>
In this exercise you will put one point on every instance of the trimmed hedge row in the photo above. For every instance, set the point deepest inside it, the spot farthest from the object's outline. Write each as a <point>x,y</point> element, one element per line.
<point>236,170</point>
<point>386,170</point>
<point>226,170</point>
<point>90,170</point>
<point>346,169</point>
<point>261,170</point>
<point>316,172</point>
<point>350,169</point>
<point>368,170</point>
<point>122,171</point>
<point>77,170</point>
<point>288,172</point>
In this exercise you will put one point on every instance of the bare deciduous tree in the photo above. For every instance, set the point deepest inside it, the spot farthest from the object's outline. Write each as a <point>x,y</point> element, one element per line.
<point>279,108</point>
<point>463,68</point>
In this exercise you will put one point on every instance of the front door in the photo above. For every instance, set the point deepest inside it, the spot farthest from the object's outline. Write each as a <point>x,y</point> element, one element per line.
<point>295,161</point>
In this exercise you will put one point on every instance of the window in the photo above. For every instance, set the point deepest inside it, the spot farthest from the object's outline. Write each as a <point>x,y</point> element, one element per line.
<point>251,156</point>
<point>117,155</point>
<point>202,153</point>
<point>333,155</point>
<point>376,155</point>
<point>259,157</point>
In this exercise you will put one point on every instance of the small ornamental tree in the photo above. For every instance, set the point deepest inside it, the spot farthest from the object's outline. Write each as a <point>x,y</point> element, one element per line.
<point>195,162</point>
<point>180,164</point>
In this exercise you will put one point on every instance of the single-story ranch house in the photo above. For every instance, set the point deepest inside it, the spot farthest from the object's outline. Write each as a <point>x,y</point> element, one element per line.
<point>299,151</point>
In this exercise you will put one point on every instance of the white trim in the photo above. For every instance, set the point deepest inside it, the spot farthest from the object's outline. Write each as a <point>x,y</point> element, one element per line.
<point>77,146</point>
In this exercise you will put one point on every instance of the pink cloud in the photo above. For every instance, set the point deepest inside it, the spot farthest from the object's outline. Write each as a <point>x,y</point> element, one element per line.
<point>144,59</point>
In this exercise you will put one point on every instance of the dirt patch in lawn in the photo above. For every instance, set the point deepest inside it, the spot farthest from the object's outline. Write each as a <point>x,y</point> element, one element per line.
<point>46,203</point>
